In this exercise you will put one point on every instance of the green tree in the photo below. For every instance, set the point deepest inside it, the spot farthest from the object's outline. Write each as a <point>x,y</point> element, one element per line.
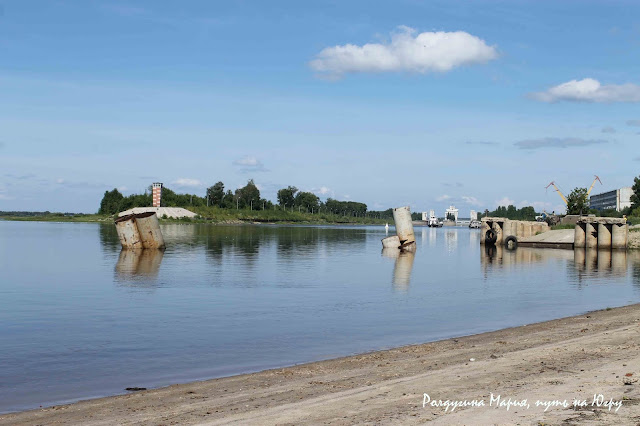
<point>577,202</point>
<point>215,194</point>
<point>111,202</point>
<point>451,217</point>
<point>248,195</point>
<point>286,196</point>
<point>228,201</point>
<point>635,197</point>
<point>307,201</point>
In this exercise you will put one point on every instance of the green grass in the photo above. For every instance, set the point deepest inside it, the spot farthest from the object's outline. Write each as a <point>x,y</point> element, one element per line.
<point>59,217</point>
<point>633,220</point>
<point>216,215</point>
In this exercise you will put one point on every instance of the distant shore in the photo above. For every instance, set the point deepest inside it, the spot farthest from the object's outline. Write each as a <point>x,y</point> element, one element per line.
<point>221,217</point>
<point>565,359</point>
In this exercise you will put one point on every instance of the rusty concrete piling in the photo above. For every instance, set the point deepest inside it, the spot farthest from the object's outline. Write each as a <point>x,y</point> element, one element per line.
<point>140,231</point>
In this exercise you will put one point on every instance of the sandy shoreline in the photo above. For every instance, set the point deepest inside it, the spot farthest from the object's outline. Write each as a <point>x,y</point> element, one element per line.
<point>568,358</point>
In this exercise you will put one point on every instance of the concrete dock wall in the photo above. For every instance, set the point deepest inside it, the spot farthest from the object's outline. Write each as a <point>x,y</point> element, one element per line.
<point>504,228</point>
<point>601,233</point>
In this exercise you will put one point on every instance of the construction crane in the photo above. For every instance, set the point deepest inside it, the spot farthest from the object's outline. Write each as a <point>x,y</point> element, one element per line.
<point>594,182</point>
<point>565,198</point>
<point>559,192</point>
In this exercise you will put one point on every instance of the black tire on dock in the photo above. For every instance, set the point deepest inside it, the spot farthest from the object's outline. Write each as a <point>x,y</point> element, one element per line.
<point>514,242</point>
<point>490,237</point>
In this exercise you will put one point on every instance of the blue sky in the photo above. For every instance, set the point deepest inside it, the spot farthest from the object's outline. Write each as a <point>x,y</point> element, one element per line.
<point>424,103</point>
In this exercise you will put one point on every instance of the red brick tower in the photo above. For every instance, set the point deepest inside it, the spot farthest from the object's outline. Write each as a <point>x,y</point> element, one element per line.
<point>157,194</point>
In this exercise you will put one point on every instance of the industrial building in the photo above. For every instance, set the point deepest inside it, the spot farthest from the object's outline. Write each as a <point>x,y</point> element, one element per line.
<point>618,199</point>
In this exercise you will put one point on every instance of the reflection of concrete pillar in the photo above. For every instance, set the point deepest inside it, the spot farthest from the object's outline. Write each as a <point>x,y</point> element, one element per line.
<point>591,235</point>
<point>604,260</point>
<point>619,261</point>
<point>604,236</point>
<point>619,235</point>
<point>497,228</point>
<point>404,226</point>
<point>579,258</point>
<point>139,262</point>
<point>591,259</point>
<point>579,239</point>
<point>402,269</point>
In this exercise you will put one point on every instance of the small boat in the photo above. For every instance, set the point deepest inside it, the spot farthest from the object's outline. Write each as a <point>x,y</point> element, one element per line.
<point>475,224</point>
<point>386,227</point>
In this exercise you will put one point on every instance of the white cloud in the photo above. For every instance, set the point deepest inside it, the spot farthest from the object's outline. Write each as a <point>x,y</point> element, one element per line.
<point>60,181</point>
<point>444,197</point>
<point>589,90</point>
<point>425,52</point>
<point>608,129</point>
<point>471,200</point>
<point>249,163</point>
<point>633,122</point>
<point>323,190</point>
<point>187,182</point>
<point>505,201</point>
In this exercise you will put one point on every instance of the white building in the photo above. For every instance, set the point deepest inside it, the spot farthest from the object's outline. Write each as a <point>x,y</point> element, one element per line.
<point>473,215</point>
<point>451,210</point>
<point>618,199</point>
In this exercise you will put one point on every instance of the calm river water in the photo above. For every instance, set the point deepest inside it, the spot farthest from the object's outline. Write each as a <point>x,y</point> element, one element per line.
<point>81,319</point>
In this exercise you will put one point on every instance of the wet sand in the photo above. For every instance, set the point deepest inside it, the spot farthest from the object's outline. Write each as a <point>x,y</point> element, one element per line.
<point>571,358</point>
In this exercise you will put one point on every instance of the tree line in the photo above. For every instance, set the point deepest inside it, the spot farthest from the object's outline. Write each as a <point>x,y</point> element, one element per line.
<point>247,197</point>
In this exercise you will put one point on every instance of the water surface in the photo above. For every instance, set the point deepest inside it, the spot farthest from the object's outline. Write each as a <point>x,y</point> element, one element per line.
<point>81,319</point>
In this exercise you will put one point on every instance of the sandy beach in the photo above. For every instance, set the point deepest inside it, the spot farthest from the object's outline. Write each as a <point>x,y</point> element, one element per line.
<point>576,358</point>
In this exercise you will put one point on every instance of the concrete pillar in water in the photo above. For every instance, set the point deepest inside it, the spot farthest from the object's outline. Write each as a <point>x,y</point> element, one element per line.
<point>604,236</point>
<point>404,226</point>
<point>128,232</point>
<point>483,231</point>
<point>497,228</point>
<point>619,235</point>
<point>392,242</point>
<point>137,231</point>
<point>150,232</point>
<point>580,236</point>
<point>591,235</point>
